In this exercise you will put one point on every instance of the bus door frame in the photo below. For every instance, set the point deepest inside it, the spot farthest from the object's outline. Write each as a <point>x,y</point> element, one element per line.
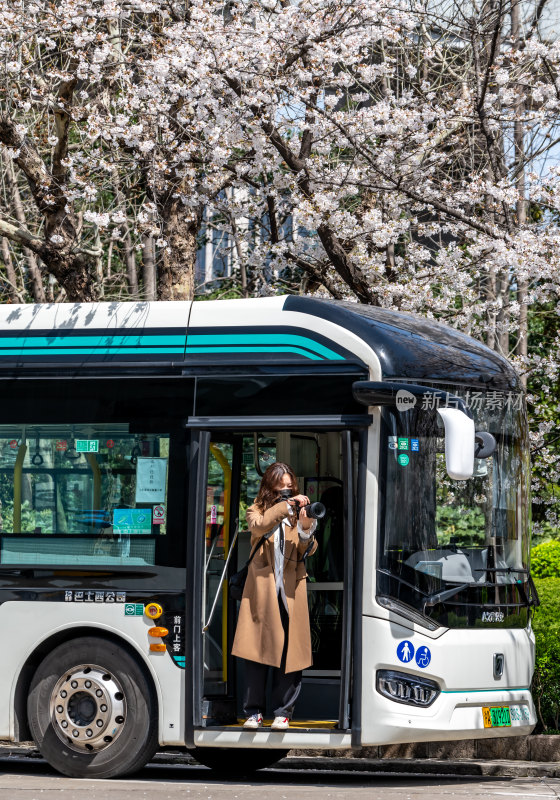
<point>198,451</point>
<point>198,448</point>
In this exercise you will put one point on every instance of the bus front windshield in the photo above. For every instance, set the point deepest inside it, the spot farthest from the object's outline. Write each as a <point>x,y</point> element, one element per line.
<point>439,534</point>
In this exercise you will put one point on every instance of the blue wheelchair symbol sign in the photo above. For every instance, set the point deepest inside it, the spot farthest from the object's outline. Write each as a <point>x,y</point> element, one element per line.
<point>405,652</point>
<point>423,657</point>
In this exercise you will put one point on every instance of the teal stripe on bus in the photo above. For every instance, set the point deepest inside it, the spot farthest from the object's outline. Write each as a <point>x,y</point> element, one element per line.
<point>231,350</point>
<point>63,351</point>
<point>119,344</point>
<point>107,340</point>
<point>147,350</point>
<point>497,689</point>
<point>277,339</point>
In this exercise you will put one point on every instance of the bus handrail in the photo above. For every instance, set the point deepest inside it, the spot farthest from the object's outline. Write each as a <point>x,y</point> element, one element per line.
<point>222,578</point>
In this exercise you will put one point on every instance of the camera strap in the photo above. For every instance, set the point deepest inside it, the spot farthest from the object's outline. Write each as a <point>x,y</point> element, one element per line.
<point>261,541</point>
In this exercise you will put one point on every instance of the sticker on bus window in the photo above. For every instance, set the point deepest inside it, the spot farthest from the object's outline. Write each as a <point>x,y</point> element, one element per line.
<point>403,443</point>
<point>158,515</point>
<point>87,445</point>
<point>392,442</point>
<point>151,474</point>
<point>132,520</point>
<point>133,609</point>
<point>403,459</point>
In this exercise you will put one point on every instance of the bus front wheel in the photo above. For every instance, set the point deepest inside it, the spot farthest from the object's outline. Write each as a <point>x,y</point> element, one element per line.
<point>92,711</point>
<point>236,762</point>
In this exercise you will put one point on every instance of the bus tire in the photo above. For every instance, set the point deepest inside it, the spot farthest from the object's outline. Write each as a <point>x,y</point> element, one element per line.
<point>234,762</point>
<point>92,711</point>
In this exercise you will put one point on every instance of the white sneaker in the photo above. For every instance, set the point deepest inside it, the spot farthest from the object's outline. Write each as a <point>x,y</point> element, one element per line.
<point>253,722</point>
<point>280,724</point>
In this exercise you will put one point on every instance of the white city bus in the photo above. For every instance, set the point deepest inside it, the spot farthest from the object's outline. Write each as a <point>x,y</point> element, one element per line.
<point>133,437</point>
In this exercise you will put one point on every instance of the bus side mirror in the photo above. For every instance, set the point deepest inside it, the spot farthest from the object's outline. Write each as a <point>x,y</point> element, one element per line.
<point>485,444</point>
<point>459,443</point>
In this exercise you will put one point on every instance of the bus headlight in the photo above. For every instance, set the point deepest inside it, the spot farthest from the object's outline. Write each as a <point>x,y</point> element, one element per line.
<point>403,688</point>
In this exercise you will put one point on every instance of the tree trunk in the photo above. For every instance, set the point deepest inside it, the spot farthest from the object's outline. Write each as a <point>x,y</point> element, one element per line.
<point>12,287</point>
<point>491,294</point>
<point>99,265</point>
<point>180,229</point>
<point>239,255</point>
<point>149,266</point>
<point>130,260</point>
<point>490,297</point>
<point>57,246</point>
<point>129,251</point>
<point>503,286</point>
<point>73,274</point>
<point>35,277</point>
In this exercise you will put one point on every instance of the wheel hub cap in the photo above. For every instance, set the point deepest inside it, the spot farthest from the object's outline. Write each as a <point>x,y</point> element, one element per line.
<point>88,708</point>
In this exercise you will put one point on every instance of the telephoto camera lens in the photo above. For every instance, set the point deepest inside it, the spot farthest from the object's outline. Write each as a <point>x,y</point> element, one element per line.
<point>315,510</point>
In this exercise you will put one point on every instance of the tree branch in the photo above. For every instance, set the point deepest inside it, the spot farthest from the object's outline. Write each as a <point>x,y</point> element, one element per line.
<point>22,236</point>
<point>399,185</point>
<point>271,206</point>
<point>30,163</point>
<point>62,122</point>
<point>491,56</point>
<point>351,274</point>
<point>319,275</point>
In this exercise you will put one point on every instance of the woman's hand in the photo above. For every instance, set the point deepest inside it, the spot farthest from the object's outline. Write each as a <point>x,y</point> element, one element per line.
<point>300,499</point>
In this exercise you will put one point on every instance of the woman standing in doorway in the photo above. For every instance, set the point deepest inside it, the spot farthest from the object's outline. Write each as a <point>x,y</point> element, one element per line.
<point>273,624</point>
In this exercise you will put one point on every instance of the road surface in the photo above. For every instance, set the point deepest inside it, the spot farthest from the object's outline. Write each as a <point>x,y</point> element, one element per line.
<point>29,779</point>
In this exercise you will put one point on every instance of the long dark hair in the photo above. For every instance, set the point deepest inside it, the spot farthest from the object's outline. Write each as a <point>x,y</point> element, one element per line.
<point>268,494</point>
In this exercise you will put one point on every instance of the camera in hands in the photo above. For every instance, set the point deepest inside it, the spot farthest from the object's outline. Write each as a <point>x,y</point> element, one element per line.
<point>313,510</point>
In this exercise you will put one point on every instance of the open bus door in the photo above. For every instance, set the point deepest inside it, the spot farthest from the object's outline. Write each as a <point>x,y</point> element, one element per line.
<point>218,491</point>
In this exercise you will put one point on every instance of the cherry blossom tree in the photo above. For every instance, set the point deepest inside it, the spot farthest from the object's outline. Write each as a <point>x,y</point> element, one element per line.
<point>409,140</point>
<point>417,146</point>
<point>96,147</point>
<point>403,153</point>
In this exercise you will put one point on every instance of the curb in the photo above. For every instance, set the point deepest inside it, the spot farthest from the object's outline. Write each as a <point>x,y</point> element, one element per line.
<point>401,766</point>
<point>444,767</point>
<point>426,766</point>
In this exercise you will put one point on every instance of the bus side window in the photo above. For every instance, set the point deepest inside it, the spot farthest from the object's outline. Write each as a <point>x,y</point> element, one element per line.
<point>86,495</point>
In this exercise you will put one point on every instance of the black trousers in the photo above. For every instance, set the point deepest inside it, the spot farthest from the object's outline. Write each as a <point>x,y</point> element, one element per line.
<point>286,686</point>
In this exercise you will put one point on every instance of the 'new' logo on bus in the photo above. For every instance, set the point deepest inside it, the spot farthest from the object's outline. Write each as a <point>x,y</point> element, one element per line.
<point>405,400</point>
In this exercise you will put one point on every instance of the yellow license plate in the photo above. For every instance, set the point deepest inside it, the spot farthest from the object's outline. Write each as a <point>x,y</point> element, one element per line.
<point>496,716</point>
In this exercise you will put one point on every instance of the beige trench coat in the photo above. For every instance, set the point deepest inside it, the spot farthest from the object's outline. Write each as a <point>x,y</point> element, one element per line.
<point>259,635</point>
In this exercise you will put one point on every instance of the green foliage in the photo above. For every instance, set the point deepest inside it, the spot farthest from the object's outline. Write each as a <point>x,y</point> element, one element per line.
<point>31,519</point>
<point>220,290</point>
<point>544,399</point>
<point>546,680</point>
<point>465,526</point>
<point>536,212</point>
<point>545,532</point>
<point>545,560</point>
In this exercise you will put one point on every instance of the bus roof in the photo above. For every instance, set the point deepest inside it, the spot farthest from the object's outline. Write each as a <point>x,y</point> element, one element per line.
<point>410,346</point>
<point>274,332</point>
